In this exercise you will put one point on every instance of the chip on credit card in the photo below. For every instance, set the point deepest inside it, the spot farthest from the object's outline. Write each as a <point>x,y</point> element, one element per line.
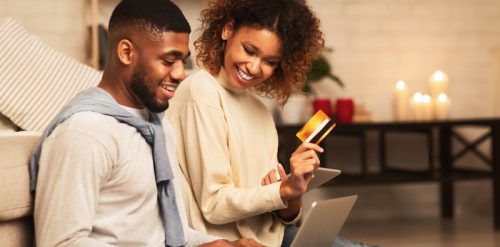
<point>317,128</point>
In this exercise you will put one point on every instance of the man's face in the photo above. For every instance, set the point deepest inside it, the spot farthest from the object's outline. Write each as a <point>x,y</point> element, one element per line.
<point>159,70</point>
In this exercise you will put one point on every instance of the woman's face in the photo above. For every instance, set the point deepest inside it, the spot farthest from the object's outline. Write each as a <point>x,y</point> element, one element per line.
<point>251,55</point>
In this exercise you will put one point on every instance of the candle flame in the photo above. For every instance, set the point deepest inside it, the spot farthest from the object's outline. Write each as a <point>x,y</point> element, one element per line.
<point>439,76</point>
<point>417,97</point>
<point>400,85</point>
<point>426,98</point>
<point>442,97</point>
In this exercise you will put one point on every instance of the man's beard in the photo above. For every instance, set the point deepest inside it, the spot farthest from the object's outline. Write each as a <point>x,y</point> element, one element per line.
<point>146,92</point>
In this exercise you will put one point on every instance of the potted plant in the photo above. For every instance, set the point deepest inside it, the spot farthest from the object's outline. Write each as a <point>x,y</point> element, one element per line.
<point>320,69</point>
<point>298,108</point>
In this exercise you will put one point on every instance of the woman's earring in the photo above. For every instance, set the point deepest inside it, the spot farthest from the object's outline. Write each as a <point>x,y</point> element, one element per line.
<point>223,45</point>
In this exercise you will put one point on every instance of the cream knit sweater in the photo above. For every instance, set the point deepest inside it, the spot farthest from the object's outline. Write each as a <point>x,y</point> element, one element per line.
<point>227,142</point>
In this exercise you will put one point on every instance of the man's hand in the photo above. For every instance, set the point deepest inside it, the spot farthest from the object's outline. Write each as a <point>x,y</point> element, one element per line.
<point>244,242</point>
<point>303,164</point>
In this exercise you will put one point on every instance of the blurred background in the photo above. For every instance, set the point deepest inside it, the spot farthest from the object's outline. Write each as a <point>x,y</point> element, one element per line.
<point>370,46</point>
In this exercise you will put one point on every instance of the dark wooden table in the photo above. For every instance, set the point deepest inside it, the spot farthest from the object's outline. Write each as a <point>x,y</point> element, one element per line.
<point>445,172</point>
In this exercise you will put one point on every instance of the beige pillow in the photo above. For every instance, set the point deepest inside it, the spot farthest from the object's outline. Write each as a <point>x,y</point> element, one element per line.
<point>36,80</point>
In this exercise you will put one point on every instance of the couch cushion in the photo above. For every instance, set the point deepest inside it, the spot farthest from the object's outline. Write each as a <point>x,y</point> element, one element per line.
<point>15,152</point>
<point>36,80</point>
<point>17,233</point>
<point>6,125</point>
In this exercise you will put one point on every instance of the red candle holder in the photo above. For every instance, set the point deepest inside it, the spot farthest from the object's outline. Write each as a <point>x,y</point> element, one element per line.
<point>344,110</point>
<point>323,104</point>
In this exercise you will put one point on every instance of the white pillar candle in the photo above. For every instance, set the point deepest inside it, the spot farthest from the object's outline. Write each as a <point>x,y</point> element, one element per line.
<point>427,107</point>
<point>438,83</point>
<point>417,106</point>
<point>442,106</point>
<point>401,101</point>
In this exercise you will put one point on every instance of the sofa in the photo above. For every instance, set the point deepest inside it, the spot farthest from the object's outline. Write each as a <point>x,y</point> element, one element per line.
<point>36,81</point>
<point>16,204</point>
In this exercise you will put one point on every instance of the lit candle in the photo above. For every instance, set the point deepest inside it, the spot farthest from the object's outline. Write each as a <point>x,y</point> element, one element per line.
<point>438,84</point>
<point>417,106</point>
<point>442,106</point>
<point>401,101</point>
<point>427,107</point>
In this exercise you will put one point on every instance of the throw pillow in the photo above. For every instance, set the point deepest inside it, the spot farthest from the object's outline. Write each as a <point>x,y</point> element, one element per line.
<point>35,80</point>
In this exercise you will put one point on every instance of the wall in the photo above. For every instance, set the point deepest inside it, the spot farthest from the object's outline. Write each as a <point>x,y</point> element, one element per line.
<point>59,23</point>
<point>378,42</point>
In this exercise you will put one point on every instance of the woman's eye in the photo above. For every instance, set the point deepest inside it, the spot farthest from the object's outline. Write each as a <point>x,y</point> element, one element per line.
<point>248,51</point>
<point>273,63</point>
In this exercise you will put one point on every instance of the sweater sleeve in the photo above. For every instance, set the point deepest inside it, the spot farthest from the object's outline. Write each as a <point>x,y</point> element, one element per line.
<point>210,169</point>
<point>72,167</point>
<point>196,238</point>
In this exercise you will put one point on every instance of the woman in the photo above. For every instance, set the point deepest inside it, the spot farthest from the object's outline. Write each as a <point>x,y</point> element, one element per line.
<point>227,141</point>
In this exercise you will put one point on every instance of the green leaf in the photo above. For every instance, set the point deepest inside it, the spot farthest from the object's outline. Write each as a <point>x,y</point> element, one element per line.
<point>320,69</point>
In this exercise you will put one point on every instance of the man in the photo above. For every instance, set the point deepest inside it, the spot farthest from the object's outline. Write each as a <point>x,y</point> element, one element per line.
<point>104,170</point>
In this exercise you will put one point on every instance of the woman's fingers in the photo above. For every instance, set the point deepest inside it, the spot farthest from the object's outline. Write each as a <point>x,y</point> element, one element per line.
<point>282,172</point>
<point>303,164</point>
<point>309,154</point>
<point>309,160</point>
<point>305,167</point>
<point>308,146</point>
<point>272,176</point>
<point>269,178</point>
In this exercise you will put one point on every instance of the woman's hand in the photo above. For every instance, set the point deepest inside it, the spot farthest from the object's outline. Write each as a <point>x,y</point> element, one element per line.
<point>293,205</point>
<point>303,164</point>
<point>244,242</point>
<point>271,176</point>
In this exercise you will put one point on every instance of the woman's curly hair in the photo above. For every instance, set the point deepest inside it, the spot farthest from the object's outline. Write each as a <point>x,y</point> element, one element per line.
<point>292,20</point>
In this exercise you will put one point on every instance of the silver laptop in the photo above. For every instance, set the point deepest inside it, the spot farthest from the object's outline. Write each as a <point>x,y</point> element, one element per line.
<point>323,222</point>
<point>322,176</point>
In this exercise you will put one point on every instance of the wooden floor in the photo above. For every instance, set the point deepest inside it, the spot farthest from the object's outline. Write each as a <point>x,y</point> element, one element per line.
<point>429,232</point>
<point>408,215</point>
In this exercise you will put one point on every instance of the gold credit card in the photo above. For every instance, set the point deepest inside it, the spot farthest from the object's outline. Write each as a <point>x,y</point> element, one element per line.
<point>317,128</point>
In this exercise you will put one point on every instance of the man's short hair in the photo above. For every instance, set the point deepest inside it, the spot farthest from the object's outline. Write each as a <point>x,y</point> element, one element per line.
<point>152,16</point>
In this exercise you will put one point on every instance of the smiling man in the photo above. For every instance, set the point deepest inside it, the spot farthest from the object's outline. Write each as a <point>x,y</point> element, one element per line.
<point>105,171</point>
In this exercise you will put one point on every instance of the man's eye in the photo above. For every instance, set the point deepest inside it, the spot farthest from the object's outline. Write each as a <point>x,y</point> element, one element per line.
<point>168,62</point>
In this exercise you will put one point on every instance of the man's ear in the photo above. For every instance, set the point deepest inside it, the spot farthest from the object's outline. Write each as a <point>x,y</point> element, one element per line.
<point>228,29</point>
<point>125,51</point>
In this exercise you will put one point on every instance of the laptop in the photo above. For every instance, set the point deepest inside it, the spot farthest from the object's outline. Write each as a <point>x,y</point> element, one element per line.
<point>322,176</point>
<point>323,222</point>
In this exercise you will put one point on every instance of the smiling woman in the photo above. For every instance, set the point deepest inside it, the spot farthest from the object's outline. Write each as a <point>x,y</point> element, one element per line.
<point>297,29</point>
<point>251,55</point>
<point>227,139</point>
